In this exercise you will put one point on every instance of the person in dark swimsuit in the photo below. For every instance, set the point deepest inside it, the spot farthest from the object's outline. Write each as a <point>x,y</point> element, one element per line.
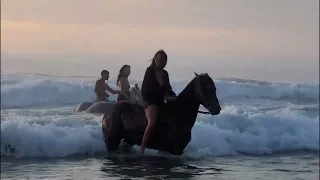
<point>101,87</point>
<point>154,90</point>
<point>123,84</point>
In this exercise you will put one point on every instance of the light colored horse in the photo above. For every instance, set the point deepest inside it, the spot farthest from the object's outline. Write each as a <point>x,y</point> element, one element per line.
<point>107,107</point>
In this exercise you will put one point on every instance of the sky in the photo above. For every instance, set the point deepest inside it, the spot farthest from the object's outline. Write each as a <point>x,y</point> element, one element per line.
<point>253,39</point>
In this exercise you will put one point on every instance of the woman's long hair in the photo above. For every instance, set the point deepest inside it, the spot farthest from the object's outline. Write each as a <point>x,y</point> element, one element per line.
<point>121,72</point>
<point>161,52</point>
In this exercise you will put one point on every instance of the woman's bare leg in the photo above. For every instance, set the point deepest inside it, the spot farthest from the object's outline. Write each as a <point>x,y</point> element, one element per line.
<point>152,115</point>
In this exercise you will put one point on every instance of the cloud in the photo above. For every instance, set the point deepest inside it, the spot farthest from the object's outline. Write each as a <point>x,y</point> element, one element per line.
<point>32,36</point>
<point>241,14</point>
<point>207,28</point>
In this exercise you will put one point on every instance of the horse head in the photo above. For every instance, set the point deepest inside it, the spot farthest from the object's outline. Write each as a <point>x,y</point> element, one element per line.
<point>201,90</point>
<point>206,93</point>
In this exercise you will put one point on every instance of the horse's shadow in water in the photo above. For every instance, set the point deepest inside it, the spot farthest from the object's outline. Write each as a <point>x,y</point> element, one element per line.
<point>153,167</point>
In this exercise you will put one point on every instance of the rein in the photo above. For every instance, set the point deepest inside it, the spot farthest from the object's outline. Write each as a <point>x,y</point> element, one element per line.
<point>202,112</point>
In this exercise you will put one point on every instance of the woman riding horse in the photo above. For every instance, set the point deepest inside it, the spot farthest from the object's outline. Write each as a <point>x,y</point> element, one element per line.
<point>155,88</point>
<point>123,84</point>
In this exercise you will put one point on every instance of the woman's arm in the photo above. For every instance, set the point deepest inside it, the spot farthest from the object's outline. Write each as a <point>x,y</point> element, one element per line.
<point>111,90</point>
<point>122,84</point>
<point>168,87</point>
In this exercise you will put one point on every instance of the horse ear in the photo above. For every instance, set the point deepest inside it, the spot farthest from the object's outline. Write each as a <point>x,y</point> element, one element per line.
<point>196,74</point>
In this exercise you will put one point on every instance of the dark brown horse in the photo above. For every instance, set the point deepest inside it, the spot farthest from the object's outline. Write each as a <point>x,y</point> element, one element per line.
<point>172,132</point>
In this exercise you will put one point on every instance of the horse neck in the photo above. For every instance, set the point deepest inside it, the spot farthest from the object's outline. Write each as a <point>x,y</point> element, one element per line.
<point>188,104</point>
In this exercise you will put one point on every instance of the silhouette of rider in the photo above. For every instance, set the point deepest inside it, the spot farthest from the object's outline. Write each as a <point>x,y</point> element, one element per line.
<point>101,87</point>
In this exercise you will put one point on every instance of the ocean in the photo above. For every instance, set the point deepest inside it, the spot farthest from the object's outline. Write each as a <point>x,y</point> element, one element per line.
<point>264,131</point>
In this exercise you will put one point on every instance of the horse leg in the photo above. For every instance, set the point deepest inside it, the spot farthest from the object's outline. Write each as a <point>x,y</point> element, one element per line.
<point>175,150</point>
<point>174,145</point>
<point>126,146</point>
<point>112,131</point>
<point>185,141</point>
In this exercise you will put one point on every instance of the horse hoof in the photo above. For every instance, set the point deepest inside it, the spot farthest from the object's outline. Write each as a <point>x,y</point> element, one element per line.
<point>175,150</point>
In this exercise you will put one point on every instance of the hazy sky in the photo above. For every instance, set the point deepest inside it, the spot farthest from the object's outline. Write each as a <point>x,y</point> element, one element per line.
<point>237,38</point>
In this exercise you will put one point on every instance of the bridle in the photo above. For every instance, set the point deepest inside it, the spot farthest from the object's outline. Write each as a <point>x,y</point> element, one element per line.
<point>200,95</point>
<point>202,112</point>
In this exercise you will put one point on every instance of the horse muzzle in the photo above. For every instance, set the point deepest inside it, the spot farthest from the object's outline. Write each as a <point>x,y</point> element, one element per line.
<point>214,111</point>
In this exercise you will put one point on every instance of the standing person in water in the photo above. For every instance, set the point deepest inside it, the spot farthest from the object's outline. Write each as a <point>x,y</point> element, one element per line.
<point>155,89</point>
<point>101,87</point>
<point>123,84</point>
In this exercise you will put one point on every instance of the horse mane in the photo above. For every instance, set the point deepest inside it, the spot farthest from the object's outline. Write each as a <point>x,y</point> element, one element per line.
<point>187,105</point>
<point>187,89</point>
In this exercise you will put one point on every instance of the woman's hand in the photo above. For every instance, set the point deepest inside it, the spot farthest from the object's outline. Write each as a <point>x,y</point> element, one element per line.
<point>171,98</point>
